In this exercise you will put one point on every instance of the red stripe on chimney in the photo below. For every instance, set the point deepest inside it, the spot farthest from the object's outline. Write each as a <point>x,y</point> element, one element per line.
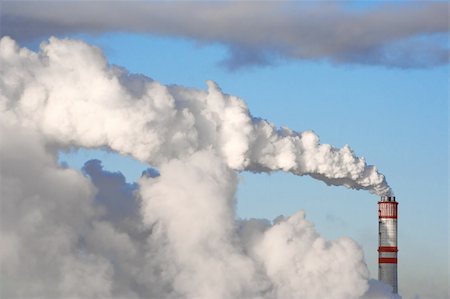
<point>387,249</point>
<point>387,260</point>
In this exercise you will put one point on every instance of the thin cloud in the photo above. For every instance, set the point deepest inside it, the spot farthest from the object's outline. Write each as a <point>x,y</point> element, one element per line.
<point>391,34</point>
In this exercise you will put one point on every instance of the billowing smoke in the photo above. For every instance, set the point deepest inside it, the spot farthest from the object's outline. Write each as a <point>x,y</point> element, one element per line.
<point>175,233</point>
<point>96,105</point>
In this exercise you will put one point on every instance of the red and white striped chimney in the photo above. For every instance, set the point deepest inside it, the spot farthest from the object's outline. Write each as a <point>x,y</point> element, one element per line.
<point>387,245</point>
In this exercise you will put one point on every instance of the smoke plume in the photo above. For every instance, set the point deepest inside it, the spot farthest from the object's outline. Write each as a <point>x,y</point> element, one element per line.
<point>174,234</point>
<point>96,105</point>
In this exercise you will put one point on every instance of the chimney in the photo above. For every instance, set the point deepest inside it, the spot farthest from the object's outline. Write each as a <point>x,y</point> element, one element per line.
<point>387,241</point>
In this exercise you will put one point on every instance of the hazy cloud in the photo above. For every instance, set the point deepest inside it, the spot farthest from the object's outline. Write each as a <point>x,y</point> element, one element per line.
<point>114,194</point>
<point>405,35</point>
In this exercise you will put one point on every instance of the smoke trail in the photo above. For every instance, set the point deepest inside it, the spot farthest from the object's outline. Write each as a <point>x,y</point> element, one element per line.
<point>97,105</point>
<point>174,235</point>
<point>61,240</point>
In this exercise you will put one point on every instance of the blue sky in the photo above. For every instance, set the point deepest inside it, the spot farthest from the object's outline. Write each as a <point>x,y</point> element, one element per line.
<point>396,118</point>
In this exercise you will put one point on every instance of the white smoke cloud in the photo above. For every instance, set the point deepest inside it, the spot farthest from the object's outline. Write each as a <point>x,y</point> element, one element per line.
<point>70,94</point>
<point>194,214</point>
<point>44,211</point>
<point>66,236</point>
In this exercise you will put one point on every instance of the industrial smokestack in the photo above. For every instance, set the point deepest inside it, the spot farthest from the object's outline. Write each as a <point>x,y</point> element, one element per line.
<point>387,244</point>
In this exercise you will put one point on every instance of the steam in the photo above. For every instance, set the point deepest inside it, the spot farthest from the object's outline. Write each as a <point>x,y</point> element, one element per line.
<point>97,105</point>
<point>66,235</point>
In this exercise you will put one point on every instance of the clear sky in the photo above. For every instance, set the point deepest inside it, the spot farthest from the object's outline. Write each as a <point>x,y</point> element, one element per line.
<point>397,118</point>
